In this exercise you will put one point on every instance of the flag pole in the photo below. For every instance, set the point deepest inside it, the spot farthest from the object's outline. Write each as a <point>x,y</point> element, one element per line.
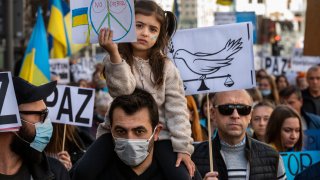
<point>64,136</point>
<point>209,133</point>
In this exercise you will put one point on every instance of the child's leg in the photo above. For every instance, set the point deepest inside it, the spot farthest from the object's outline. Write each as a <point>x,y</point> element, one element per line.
<point>167,160</point>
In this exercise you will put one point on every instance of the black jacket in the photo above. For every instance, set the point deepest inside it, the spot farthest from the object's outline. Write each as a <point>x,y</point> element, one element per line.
<point>313,120</point>
<point>48,169</point>
<point>310,104</point>
<point>262,158</point>
<point>312,172</point>
<point>101,153</point>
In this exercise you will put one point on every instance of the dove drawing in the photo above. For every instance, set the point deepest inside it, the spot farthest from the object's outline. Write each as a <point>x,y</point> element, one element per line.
<point>207,63</point>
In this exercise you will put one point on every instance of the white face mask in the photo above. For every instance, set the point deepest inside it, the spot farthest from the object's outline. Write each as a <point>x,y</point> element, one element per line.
<point>132,151</point>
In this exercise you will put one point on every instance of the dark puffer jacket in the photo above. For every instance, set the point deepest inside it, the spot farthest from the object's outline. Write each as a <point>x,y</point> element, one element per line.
<point>310,104</point>
<point>262,158</point>
<point>100,156</point>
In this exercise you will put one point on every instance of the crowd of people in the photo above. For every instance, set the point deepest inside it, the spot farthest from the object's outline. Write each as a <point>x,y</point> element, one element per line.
<point>144,127</point>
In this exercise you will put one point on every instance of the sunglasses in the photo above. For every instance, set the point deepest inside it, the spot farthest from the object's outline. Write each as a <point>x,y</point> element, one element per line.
<point>43,114</point>
<point>227,109</point>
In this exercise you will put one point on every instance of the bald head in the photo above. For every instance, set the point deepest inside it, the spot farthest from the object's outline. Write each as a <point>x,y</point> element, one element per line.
<point>219,96</point>
<point>232,124</point>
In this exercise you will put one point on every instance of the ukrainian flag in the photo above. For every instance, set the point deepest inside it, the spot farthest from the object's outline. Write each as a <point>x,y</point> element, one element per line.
<point>74,47</point>
<point>58,31</point>
<point>79,17</point>
<point>71,48</point>
<point>35,66</point>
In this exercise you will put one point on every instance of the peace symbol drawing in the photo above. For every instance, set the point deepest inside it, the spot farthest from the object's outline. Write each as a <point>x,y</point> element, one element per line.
<point>90,16</point>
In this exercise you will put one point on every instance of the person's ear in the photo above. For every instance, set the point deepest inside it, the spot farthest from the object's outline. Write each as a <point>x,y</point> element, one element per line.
<point>213,112</point>
<point>157,132</point>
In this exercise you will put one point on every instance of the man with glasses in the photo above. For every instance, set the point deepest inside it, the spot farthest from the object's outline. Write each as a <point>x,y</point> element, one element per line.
<point>22,155</point>
<point>236,155</point>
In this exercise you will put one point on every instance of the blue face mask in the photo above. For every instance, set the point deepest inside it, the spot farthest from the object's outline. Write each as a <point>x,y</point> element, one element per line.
<point>43,134</point>
<point>266,92</point>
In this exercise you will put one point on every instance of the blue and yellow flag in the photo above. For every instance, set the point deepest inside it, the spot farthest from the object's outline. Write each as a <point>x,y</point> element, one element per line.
<point>80,17</point>
<point>74,47</point>
<point>35,66</point>
<point>63,47</point>
<point>57,29</point>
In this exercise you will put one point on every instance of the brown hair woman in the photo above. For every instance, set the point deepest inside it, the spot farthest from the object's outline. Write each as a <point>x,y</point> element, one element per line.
<point>284,130</point>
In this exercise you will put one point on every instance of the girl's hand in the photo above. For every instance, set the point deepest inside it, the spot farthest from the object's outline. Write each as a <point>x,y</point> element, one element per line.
<point>187,161</point>
<point>211,176</point>
<point>65,159</point>
<point>105,41</point>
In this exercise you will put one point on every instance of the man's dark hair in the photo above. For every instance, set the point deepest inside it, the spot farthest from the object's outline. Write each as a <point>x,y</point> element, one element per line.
<point>288,91</point>
<point>134,102</point>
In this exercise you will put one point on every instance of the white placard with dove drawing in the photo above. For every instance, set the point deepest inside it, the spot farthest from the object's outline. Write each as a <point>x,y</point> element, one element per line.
<point>212,59</point>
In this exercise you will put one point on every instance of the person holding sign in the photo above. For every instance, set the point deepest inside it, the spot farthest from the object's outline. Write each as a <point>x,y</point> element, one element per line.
<point>22,155</point>
<point>235,154</point>
<point>284,131</point>
<point>136,152</point>
<point>144,64</point>
<point>69,150</point>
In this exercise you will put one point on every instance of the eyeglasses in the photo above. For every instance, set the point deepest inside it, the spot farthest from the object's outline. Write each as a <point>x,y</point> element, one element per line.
<point>43,114</point>
<point>227,109</point>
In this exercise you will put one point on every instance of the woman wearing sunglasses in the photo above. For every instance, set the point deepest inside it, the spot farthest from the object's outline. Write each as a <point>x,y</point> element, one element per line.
<point>284,130</point>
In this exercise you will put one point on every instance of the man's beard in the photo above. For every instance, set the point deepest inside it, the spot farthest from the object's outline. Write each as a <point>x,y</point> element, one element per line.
<point>23,148</point>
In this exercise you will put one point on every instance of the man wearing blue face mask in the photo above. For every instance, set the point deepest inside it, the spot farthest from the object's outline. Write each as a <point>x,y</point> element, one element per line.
<point>135,152</point>
<point>22,155</point>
